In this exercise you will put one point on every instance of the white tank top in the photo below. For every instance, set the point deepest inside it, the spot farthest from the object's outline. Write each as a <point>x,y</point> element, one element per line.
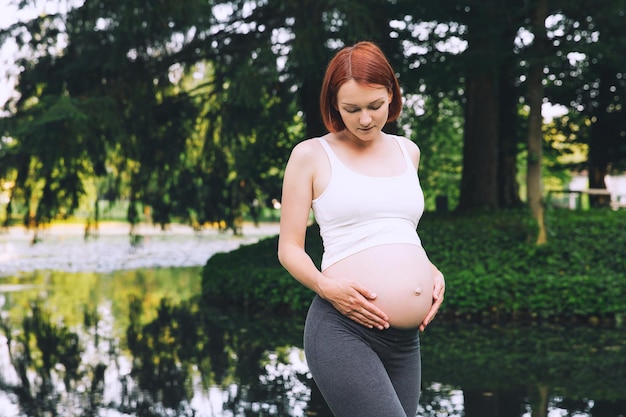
<point>356,212</point>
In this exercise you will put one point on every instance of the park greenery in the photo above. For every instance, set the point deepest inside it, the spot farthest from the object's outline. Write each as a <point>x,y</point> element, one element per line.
<point>494,271</point>
<point>187,111</point>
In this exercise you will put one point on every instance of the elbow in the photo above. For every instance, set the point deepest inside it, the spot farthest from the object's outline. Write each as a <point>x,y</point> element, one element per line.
<point>280,253</point>
<point>288,255</point>
<point>280,257</point>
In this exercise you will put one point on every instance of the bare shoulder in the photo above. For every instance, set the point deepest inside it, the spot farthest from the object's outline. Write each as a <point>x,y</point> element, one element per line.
<point>307,150</point>
<point>305,157</point>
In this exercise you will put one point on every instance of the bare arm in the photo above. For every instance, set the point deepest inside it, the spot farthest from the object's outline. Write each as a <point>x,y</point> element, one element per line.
<point>349,298</point>
<point>297,197</point>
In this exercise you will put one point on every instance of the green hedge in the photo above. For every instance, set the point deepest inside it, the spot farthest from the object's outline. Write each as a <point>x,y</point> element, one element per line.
<point>251,277</point>
<point>493,269</point>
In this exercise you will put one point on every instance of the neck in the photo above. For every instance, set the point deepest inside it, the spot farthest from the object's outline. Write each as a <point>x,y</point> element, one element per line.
<point>349,138</point>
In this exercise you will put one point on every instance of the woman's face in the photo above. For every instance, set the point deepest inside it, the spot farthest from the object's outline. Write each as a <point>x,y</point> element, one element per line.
<point>364,109</point>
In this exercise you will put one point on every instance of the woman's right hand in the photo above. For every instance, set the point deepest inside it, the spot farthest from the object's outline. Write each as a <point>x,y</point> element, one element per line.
<point>354,301</point>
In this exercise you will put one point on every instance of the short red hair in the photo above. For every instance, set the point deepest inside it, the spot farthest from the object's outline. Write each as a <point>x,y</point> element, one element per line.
<point>366,64</point>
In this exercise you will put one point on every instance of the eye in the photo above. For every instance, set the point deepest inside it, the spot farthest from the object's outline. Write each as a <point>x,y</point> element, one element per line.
<point>376,107</point>
<point>352,110</point>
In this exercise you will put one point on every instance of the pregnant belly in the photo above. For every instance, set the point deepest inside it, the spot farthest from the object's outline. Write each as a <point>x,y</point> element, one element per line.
<point>401,275</point>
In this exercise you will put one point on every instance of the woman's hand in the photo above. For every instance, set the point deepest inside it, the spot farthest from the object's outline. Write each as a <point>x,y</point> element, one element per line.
<point>438,292</point>
<point>354,301</point>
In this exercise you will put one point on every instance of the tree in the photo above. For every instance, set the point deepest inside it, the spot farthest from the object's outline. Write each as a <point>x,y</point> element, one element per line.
<point>535,119</point>
<point>119,93</point>
<point>470,57</point>
<point>587,75</point>
<point>123,67</point>
<point>103,96</point>
<point>604,107</point>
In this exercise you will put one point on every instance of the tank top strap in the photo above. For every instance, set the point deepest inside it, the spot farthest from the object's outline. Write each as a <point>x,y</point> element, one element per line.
<point>405,152</point>
<point>335,162</point>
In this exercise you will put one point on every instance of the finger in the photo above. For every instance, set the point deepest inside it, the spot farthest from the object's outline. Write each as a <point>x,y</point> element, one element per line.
<point>428,319</point>
<point>370,319</point>
<point>426,322</point>
<point>371,311</point>
<point>437,300</point>
<point>439,282</point>
<point>434,309</point>
<point>361,319</point>
<point>439,290</point>
<point>378,317</point>
<point>370,295</point>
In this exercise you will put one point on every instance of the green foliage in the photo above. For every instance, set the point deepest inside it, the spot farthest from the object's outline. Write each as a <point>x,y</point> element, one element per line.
<point>493,269</point>
<point>494,273</point>
<point>251,277</point>
<point>137,106</point>
<point>190,108</point>
<point>439,134</point>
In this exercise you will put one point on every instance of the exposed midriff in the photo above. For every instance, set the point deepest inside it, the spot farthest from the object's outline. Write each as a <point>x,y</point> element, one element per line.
<point>400,274</point>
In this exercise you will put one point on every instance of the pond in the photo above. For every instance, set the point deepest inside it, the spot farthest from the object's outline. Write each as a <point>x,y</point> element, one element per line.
<point>96,339</point>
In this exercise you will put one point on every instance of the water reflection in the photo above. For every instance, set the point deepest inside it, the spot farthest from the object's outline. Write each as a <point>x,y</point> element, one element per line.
<point>519,370</point>
<point>138,343</point>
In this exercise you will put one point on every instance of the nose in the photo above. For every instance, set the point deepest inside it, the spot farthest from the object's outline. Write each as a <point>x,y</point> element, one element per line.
<point>365,119</point>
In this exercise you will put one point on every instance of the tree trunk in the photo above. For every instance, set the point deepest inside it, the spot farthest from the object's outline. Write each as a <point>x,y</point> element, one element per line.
<point>312,57</point>
<point>535,118</point>
<point>477,403</point>
<point>310,96</point>
<point>508,188</point>
<point>498,403</point>
<point>603,130</point>
<point>485,181</point>
<point>480,160</point>
<point>539,401</point>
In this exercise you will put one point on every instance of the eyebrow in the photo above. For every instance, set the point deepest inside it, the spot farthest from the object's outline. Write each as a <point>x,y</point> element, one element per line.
<point>369,104</point>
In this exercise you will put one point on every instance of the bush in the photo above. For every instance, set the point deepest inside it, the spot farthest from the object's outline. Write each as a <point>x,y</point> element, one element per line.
<point>252,278</point>
<point>493,269</point>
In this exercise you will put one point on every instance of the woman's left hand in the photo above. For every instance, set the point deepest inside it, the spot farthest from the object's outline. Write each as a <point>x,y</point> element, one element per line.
<point>438,292</point>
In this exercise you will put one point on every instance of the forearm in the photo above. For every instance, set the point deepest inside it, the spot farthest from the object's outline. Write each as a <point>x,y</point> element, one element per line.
<point>300,265</point>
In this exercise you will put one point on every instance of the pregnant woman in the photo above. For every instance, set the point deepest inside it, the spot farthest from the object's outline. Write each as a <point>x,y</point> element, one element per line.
<point>376,288</point>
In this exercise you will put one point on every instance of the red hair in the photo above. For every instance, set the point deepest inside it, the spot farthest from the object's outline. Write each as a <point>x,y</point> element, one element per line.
<point>366,64</point>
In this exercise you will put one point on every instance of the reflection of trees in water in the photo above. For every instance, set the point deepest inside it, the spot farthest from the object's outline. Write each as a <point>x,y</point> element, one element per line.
<point>48,361</point>
<point>238,353</point>
<point>183,351</point>
<point>188,349</point>
<point>507,370</point>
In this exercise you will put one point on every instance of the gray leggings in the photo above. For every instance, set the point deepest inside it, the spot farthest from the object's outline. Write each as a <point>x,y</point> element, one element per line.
<point>362,372</point>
